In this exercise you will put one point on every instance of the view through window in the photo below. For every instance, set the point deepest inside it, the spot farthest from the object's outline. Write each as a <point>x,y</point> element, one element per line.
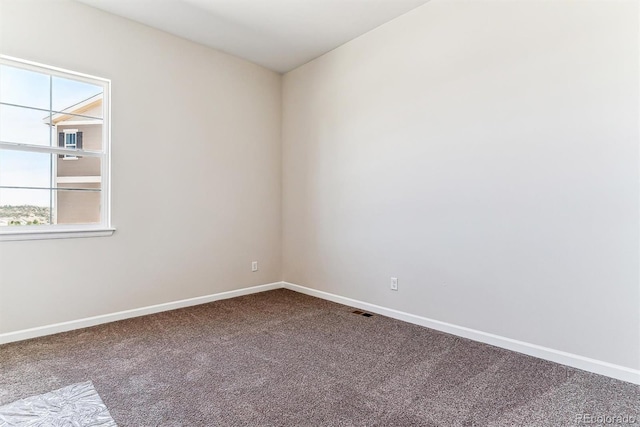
<point>53,148</point>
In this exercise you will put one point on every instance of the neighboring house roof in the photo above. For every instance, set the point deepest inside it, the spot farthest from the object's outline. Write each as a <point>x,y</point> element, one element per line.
<point>75,109</point>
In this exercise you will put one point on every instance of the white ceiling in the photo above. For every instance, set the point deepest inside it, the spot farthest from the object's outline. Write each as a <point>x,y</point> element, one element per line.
<point>278,34</point>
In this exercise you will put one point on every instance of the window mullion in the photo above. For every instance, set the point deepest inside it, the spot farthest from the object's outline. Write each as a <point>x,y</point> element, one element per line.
<point>49,150</point>
<point>54,112</point>
<point>51,158</point>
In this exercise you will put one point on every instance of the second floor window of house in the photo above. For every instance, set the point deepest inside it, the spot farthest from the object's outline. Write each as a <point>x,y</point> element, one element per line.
<point>54,151</point>
<point>72,139</point>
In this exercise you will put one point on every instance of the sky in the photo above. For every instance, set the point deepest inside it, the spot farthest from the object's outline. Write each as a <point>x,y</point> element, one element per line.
<point>35,90</point>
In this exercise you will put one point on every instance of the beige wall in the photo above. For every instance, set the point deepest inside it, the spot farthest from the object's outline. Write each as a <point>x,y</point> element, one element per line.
<point>183,231</point>
<point>486,154</point>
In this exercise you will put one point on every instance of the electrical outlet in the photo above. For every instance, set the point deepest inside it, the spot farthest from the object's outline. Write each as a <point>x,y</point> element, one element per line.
<point>254,266</point>
<point>394,283</point>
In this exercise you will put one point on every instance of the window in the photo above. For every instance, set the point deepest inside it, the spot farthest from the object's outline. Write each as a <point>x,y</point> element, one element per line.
<point>54,152</point>
<point>72,139</point>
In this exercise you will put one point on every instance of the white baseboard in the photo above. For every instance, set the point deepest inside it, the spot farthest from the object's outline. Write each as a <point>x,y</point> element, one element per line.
<point>580,362</point>
<point>121,315</point>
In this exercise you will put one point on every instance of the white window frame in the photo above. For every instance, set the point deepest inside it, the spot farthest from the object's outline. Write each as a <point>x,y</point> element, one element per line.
<point>62,231</point>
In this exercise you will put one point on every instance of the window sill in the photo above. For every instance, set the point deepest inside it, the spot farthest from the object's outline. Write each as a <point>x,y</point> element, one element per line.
<point>55,234</point>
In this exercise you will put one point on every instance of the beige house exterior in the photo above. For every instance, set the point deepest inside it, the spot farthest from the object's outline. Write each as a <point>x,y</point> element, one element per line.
<point>78,126</point>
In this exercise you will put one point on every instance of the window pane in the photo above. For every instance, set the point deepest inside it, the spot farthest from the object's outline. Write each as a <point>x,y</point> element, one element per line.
<point>85,169</point>
<point>70,140</point>
<point>24,169</point>
<point>20,207</point>
<point>75,206</point>
<point>77,97</point>
<point>78,207</point>
<point>71,194</point>
<point>24,125</point>
<point>23,87</point>
<point>24,207</point>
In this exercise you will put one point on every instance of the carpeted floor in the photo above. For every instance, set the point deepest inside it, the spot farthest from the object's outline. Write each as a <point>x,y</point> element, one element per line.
<point>281,358</point>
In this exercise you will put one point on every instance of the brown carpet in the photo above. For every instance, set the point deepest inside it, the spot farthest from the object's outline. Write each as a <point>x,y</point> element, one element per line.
<point>281,358</point>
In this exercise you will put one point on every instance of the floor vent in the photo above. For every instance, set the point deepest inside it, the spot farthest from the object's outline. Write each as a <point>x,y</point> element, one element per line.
<point>362,313</point>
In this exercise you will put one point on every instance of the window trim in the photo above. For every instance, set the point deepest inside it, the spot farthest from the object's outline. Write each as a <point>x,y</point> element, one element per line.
<point>64,231</point>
